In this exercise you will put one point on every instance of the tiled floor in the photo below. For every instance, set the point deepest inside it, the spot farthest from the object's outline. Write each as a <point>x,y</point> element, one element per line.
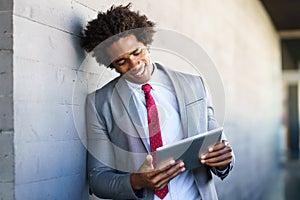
<point>286,185</point>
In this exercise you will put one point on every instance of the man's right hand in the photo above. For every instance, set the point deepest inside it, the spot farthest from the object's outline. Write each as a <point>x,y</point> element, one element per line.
<point>148,177</point>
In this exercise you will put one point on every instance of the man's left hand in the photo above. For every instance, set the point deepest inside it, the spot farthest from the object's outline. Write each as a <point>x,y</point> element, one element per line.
<point>219,156</point>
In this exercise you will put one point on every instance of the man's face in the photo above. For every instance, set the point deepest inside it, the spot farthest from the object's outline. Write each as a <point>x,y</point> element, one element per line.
<point>131,59</point>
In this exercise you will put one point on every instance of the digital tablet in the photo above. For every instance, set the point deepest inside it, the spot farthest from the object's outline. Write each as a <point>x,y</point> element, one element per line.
<point>188,150</point>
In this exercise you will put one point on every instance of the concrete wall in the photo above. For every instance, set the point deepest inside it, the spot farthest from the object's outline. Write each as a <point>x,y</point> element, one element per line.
<point>49,155</point>
<point>49,84</point>
<point>6,101</point>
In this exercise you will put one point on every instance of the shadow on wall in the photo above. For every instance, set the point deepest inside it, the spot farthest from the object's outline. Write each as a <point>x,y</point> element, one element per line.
<point>79,92</point>
<point>76,29</point>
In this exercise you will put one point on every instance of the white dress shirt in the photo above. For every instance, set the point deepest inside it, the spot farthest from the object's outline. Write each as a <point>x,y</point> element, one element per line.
<point>183,186</point>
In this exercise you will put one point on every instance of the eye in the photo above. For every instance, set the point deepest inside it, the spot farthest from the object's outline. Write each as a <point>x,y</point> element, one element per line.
<point>137,52</point>
<point>120,61</point>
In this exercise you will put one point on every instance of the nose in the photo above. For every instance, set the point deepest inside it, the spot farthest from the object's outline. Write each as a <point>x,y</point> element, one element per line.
<point>132,62</point>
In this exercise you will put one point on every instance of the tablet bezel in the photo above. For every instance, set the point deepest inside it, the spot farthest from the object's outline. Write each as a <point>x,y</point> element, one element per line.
<point>186,148</point>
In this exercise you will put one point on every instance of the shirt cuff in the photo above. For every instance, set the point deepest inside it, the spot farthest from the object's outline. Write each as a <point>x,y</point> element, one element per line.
<point>222,172</point>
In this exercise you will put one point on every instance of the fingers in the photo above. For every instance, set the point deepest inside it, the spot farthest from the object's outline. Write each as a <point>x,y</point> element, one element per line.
<point>219,155</point>
<point>162,177</point>
<point>171,172</point>
<point>166,165</point>
<point>148,177</point>
<point>219,161</point>
<point>219,146</point>
<point>218,149</point>
<point>168,168</point>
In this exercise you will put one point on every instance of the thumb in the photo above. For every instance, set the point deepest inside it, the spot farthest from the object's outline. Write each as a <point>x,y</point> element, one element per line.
<point>147,165</point>
<point>149,160</point>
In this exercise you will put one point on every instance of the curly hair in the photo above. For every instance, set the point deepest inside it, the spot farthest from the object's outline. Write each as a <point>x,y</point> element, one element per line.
<point>118,20</point>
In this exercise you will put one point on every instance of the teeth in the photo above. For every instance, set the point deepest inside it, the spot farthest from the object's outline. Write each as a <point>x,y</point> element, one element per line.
<point>141,71</point>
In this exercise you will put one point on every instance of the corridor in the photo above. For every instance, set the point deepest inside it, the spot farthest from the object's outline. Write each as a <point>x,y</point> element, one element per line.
<point>286,185</point>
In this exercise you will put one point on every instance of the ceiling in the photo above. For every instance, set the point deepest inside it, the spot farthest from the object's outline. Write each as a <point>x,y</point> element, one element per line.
<point>285,15</point>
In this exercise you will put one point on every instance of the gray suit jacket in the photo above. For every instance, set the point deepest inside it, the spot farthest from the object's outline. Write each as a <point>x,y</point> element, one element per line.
<point>117,143</point>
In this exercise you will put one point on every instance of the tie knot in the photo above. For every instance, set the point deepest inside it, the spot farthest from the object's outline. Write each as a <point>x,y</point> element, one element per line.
<point>146,88</point>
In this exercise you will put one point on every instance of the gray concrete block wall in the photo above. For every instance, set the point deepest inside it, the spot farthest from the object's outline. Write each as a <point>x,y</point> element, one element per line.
<point>6,102</point>
<point>49,153</point>
<point>6,166</point>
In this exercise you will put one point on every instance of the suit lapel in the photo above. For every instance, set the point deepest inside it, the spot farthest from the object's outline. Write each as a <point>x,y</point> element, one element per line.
<point>125,95</point>
<point>179,90</point>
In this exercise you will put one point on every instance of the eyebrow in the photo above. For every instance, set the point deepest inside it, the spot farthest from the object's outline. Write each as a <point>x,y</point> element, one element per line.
<point>122,58</point>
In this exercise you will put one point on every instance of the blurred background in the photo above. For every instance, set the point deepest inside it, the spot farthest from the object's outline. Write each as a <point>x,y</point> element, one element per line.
<point>255,45</point>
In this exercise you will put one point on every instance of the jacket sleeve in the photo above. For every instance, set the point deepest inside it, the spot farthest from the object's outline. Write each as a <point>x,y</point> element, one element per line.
<point>104,180</point>
<point>213,124</point>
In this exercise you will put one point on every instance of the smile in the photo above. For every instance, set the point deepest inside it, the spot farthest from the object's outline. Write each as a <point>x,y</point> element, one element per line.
<point>141,71</point>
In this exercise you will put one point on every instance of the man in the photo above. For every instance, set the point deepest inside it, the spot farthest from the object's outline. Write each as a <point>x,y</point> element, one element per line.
<point>146,98</point>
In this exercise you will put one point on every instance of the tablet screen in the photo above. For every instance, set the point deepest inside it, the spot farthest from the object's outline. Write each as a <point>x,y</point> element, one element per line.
<point>188,150</point>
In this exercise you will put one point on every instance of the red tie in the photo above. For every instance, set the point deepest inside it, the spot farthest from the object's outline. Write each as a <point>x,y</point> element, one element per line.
<point>154,131</point>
